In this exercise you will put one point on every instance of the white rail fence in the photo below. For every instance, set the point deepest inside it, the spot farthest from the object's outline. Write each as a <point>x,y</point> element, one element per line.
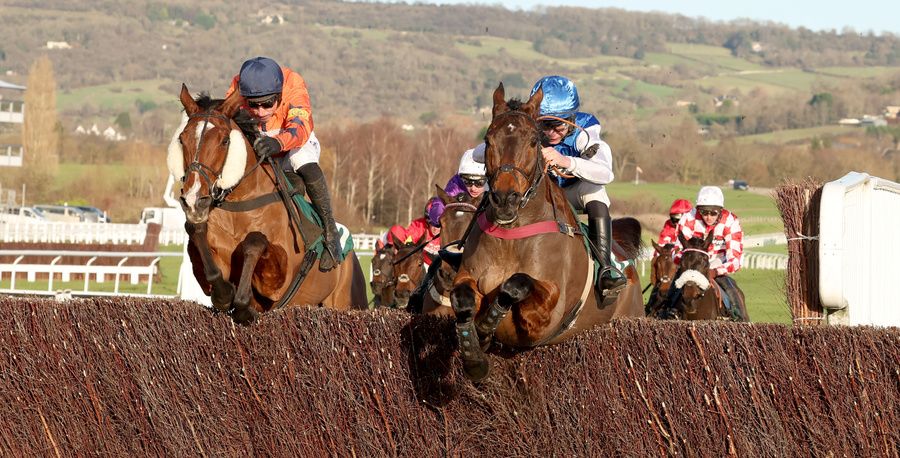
<point>64,272</point>
<point>858,250</point>
<point>12,231</point>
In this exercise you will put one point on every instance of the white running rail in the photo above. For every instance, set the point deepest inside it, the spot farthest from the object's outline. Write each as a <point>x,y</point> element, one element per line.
<point>858,250</point>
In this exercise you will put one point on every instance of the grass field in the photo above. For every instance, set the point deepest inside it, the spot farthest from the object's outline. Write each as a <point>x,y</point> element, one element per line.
<point>118,96</point>
<point>793,135</point>
<point>758,212</point>
<point>858,72</point>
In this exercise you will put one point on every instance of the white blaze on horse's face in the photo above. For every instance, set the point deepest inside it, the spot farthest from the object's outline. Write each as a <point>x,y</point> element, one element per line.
<point>190,197</point>
<point>200,130</point>
<point>511,127</point>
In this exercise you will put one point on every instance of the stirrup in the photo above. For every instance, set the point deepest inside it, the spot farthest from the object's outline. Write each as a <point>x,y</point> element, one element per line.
<point>607,296</point>
<point>328,249</point>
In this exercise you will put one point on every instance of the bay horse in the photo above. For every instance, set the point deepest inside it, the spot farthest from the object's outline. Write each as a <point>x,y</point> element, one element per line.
<point>526,254</point>
<point>409,268</point>
<point>245,250</point>
<point>662,274</point>
<point>382,282</point>
<point>700,297</point>
<point>458,213</point>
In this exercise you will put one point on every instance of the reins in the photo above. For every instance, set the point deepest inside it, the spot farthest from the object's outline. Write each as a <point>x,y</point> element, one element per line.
<point>416,249</point>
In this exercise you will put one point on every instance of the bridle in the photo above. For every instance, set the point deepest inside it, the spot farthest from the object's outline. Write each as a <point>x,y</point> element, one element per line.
<point>536,175</point>
<point>216,194</point>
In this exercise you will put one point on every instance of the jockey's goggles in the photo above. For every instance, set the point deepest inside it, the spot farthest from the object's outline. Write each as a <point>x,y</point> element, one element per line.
<point>266,103</point>
<point>479,182</point>
<point>709,212</point>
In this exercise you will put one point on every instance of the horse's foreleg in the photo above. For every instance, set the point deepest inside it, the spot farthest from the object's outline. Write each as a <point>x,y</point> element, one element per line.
<point>253,246</point>
<point>514,290</point>
<point>464,298</point>
<point>222,291</point>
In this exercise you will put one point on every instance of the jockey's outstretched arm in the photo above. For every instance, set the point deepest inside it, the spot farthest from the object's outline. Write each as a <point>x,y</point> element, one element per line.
<point>595,163</point>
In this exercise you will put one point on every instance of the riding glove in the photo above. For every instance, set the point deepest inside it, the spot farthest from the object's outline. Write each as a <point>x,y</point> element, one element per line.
<point>267,146</point>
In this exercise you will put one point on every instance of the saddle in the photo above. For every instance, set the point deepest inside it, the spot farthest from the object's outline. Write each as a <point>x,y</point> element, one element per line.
<point>311,225</point>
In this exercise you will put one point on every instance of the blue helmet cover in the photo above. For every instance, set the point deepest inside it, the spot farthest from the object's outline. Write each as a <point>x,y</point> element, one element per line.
<point>560,96</point>
<point>260,76</point>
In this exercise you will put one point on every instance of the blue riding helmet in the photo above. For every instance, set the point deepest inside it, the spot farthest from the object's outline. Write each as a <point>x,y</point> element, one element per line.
<point>560,96</point>
<point>259,77</point>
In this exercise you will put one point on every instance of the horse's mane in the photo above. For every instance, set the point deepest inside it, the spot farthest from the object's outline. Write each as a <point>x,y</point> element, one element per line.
<point>515,104</point>
<point>245,122</point>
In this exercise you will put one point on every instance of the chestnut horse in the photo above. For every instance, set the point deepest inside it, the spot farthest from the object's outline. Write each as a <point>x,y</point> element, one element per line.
<point>526,254</point>
<point>662,274</point>
<point>245,250</point>
<point>382,282</point>
<point>700,297</point>
<point>409,268</point>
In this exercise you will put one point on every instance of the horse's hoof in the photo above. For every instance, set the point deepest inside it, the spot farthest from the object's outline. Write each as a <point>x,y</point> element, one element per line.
<point>244,316</point>
<point>477,369</point>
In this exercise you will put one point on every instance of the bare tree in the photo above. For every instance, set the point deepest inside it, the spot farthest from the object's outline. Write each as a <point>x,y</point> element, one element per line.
<point>40,135</point>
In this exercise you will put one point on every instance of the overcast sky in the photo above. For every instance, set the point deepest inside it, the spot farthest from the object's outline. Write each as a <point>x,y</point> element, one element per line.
<point>861,15</point>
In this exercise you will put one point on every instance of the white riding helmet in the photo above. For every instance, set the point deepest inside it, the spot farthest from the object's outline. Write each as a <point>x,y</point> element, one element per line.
<point>468,166</point>
<point>710,195</point>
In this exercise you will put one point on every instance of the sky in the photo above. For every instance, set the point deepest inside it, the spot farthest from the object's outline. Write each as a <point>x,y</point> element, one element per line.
<point>861,15</point>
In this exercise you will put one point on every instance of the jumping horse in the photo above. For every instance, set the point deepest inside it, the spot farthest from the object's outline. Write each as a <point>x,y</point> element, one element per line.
<point>699,297</point>
<point>526,254</point>
<point>247,253</point>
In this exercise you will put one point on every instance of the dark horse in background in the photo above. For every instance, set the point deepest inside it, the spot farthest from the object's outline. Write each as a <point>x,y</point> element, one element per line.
<point>243,246</point>
<point>662,274</point>
<point>545,280</point>
<point>382,282</point>
<point>697,295</point>
<point>458,213</point>
<point>409,268</point>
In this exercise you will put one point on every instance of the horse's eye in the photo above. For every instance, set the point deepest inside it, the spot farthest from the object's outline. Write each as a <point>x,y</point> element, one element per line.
<point>226,141</point>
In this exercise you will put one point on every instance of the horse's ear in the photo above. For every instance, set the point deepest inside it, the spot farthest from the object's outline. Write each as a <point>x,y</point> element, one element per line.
<point>682,240</point>
<point>442,194</point>
<point>232,104</point>
<point>656,246</point>
<point>422,238</point>
<point>397,242</point>
<point>533,107</point>
<point>709,239</point>
<point>188,102</point>
<point>500,105</point>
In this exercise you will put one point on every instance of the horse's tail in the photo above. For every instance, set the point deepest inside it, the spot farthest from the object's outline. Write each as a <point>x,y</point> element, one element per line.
<point>627,233</point>
<point>357,285</point>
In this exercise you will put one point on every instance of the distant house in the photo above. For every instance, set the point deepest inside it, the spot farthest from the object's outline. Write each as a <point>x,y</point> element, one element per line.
<point>849,122</point>
<point>756,47</point>
<point>272,19</point>
<point>683,103</point>
<point>113,136</point>
<point>892,111</point>
<point>721,99</point>
<point>58,45</point>
<point>872,121</point>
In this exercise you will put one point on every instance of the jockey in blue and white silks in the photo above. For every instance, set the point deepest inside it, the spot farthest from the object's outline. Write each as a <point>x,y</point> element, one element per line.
<point>572,144</point>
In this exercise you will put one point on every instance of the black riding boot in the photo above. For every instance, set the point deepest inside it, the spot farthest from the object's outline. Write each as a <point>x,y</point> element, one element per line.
<point>317,190</point>
<point>296,183</point>
<point>600,234</point>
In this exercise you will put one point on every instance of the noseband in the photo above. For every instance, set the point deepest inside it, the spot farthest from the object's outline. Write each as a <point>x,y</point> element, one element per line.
<point>537,174</point>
